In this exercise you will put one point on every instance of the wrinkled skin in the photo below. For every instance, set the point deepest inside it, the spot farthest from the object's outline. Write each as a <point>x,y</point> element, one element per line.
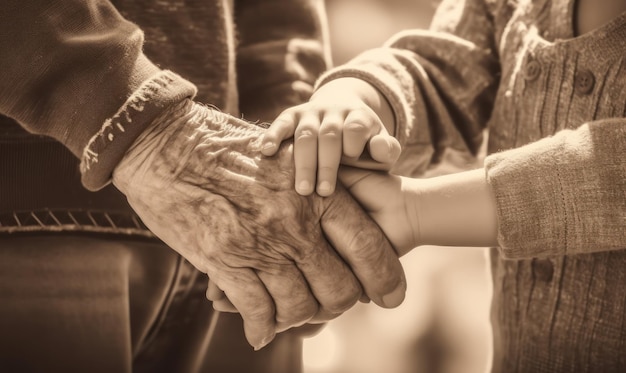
<point>198,180</point>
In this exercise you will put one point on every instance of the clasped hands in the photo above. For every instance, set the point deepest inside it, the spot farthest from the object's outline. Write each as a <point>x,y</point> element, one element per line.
<point>198,180</point>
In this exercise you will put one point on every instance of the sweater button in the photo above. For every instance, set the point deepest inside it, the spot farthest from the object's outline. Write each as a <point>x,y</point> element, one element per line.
<point>543,269</point>
<point>584,82</point>
<point>533,69</point>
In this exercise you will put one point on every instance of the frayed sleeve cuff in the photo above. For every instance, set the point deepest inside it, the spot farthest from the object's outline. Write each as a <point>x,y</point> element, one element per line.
<point>107,147</point>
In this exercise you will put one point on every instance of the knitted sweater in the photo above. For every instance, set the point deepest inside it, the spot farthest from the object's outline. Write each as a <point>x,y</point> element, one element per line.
<point>79,72</point>
<point>554,106</point>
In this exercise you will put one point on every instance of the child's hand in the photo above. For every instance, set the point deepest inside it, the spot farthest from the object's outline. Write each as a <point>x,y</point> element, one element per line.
<point>391,201</point>
<point>338,125</point>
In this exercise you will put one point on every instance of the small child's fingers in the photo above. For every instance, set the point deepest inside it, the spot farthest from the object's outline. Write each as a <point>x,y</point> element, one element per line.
<point>359,126</point>
<point>282,128</point>
<point>384,148</point>
<point>329,153</point>
<point>305,153</point>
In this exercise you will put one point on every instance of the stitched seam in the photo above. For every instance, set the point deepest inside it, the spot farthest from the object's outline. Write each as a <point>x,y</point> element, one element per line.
<point>72,220</point>
<point>564,207</point>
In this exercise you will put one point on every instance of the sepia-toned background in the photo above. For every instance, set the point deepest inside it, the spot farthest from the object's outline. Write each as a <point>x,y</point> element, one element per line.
<point>443,325</point>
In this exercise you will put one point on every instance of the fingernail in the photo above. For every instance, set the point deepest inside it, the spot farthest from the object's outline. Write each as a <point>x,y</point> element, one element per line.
<point>324,187</point>
<point>394,298</point>
<point>264,343</point>
<point>304,186</point>
<point>364,298</point>
<point>268,146</point>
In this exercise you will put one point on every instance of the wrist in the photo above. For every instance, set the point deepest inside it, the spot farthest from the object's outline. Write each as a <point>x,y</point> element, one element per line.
<point>168,149</point>
<point>160,134</point>
<point>456,210</point>
<point>413,206</point>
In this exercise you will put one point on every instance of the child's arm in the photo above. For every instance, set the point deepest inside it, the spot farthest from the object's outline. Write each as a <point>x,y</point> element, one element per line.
<point>346,121</point>
<point>561,195</point>
<point>437,87</point>
<point>450,210</point>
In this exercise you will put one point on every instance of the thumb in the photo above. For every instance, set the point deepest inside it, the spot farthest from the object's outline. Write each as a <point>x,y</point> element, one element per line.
<point>367,186</point>
<point>384,148</point>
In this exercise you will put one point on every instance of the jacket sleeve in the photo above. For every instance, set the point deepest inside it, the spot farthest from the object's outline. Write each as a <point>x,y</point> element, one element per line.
<point>74,70</point>
<point>564,194</point>
<point>440,82</point>
<point>283,48</point>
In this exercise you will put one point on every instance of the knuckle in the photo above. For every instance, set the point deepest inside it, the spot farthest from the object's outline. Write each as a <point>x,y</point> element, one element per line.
<point>282,119</point>
<point>297,314</point>
<point>285,118</point>
<point>374,260</point>
<point>356,128</point>
<point>327,171</point>
<point>344,302</point>
<point>277,127</point>
<point>294,110</point>
<point>306,131</point>
<point>262,313</point>
<point>330,130</point>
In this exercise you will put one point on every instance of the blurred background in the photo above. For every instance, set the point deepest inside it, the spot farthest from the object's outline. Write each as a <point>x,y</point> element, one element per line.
<point>443,325</point>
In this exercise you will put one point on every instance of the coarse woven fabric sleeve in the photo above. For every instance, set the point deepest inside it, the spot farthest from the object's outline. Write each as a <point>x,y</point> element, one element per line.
<point>562,195</point>
<point>68,67</point>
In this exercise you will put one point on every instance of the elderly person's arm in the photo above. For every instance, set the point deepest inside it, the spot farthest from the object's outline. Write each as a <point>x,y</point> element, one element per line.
<point>74,70</point>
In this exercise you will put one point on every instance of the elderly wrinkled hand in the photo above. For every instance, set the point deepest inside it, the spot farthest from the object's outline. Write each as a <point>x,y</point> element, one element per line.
<point>198,180</point>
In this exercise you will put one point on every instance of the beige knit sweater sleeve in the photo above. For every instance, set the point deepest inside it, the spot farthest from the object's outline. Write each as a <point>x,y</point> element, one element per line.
<point>565,194</point>
<point>442,84</point>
